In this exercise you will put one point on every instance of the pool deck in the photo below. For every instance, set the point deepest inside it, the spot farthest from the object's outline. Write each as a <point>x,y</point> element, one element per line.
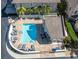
<point>20,21</point>
<point>37,45</point>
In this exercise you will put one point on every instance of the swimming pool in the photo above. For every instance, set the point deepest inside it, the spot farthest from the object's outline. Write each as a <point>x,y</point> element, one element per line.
<point>28,33</point>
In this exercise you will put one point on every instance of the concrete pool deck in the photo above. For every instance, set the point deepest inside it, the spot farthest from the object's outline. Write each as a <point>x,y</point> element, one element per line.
<point>38,46</point>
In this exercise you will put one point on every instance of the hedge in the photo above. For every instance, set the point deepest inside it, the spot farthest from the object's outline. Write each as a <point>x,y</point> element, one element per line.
<point>70,31</point>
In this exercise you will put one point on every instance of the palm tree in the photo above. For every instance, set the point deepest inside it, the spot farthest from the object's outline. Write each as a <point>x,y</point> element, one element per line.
<point>30,10</point>
<point>21,10</point>
<point>67,41</point>
<point>61,8</point>
<point>47,9</point>
<point>37,10</point>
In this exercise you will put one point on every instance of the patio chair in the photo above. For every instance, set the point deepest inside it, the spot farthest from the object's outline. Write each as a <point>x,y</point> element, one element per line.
<point>13,40</point>
<point>19,46</point>
<point>24,47</point>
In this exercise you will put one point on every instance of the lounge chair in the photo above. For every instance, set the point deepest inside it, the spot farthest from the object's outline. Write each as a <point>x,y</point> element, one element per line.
<point>42,36</point>
<point>14,26</point>
<point>23,46</point>
<point>19,46</point>
<point>13,39</point>
<point>32,48</point>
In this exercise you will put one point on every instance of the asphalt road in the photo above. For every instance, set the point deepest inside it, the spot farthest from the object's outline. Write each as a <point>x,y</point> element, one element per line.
<point>4,27</point>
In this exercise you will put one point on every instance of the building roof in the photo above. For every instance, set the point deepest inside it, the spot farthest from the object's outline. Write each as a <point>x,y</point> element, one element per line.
<point>35,1</point>
<point>54,27</point>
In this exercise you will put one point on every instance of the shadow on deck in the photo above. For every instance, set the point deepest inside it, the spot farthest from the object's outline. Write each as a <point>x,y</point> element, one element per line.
<point>42,37</point>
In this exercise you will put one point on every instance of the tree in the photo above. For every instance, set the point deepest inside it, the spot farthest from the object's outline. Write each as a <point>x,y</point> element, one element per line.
<point>21,10</point>
<point>31,10</point>
<point>47,9</point>
<point>39,8</point>
<point>74,45</point>
<point>67,41</point>
<point>36,10</point>
<point>61,8</point>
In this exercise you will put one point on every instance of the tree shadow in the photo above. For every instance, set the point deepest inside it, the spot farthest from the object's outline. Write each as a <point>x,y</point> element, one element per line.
<point>42,37</point>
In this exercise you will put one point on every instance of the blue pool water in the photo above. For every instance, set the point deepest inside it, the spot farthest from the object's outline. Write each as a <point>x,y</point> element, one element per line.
<point>28,33</point>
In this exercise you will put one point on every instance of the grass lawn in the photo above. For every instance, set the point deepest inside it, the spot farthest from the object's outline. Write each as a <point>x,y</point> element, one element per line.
<point>71,31</point>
